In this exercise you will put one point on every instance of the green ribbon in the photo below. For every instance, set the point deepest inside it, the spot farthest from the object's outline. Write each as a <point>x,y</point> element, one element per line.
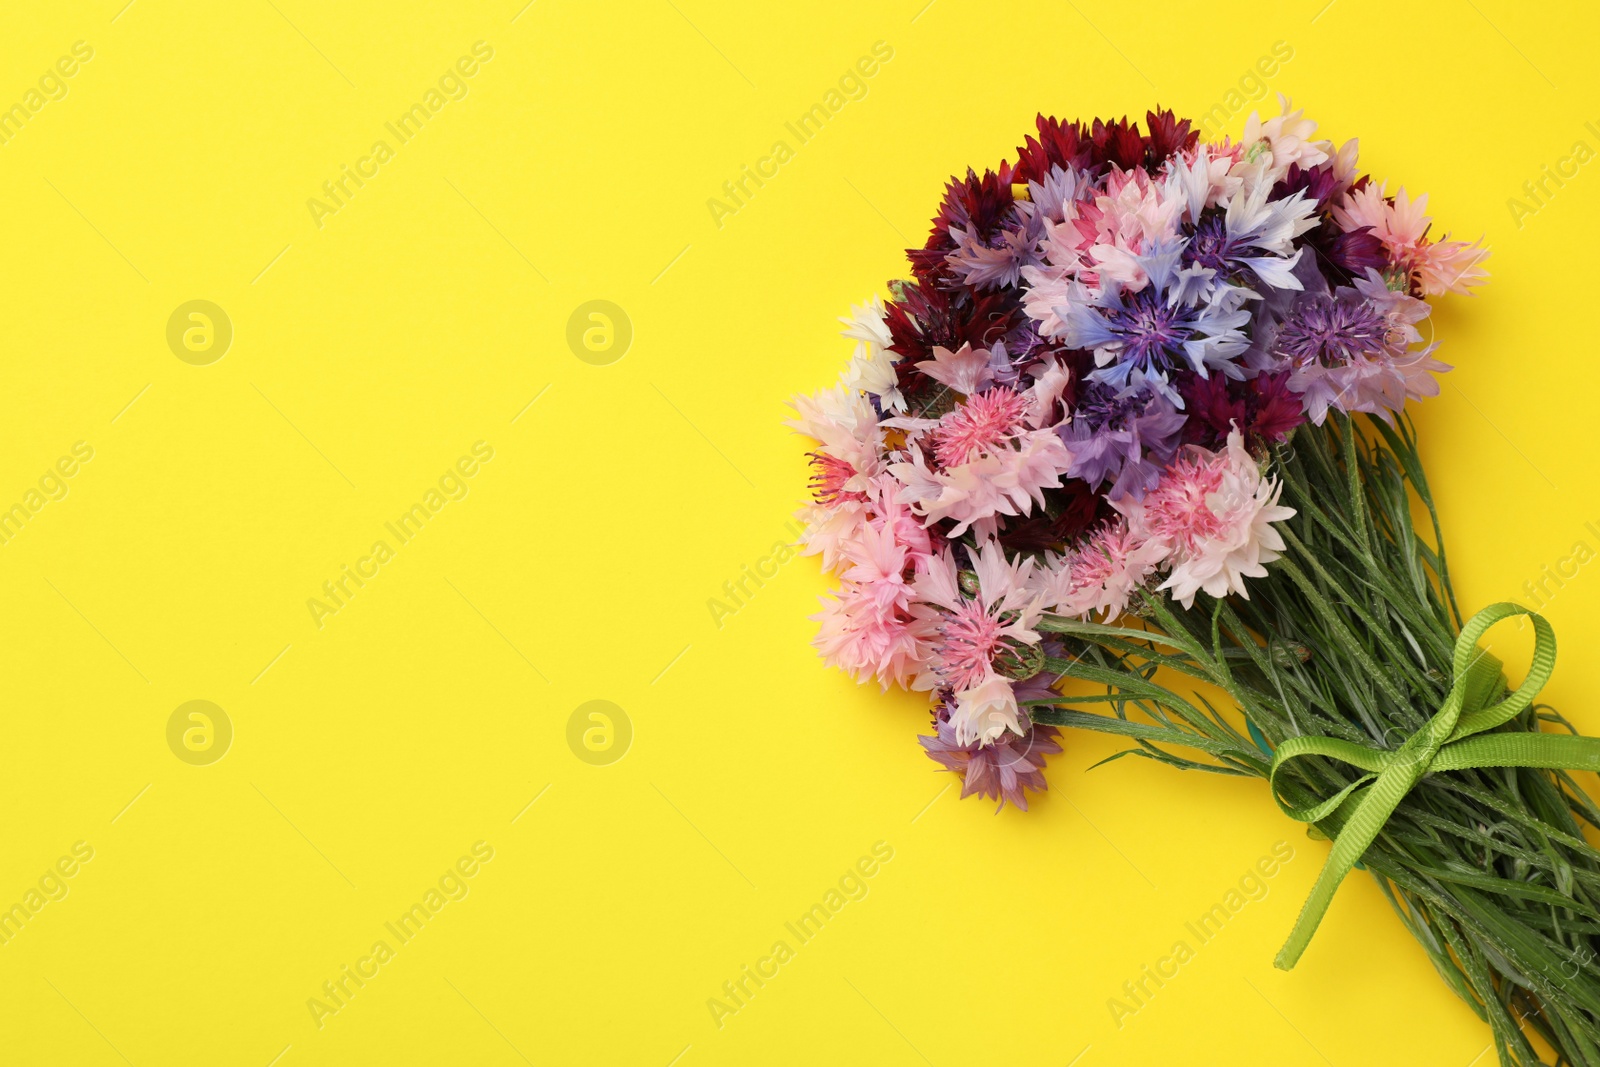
<point>1445,743</point>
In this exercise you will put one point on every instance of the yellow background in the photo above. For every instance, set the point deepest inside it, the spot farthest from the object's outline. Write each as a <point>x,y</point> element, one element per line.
<point>425,315</point>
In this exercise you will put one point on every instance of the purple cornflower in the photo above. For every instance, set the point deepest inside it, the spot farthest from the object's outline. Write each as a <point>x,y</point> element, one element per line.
<point>1005,769</point>
<point>1331,330</point>
<point>1354,350</point>
<point>1210,246</point>
<point>1125,436</point>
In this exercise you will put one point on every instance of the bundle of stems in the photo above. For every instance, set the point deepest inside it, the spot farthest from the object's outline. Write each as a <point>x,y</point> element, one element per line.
<point>1351,636</point>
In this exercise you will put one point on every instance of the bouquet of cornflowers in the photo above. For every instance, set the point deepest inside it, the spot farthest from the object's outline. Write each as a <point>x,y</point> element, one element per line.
<point>1136,420</point>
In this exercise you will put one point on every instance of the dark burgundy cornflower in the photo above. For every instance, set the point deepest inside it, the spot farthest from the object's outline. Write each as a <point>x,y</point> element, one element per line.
<point>1350,251</point>
<point>1168,134</point>
<point>981,208</point>
<point>1060,144</point>
<point>1341,255</point>
<point>1117,141</point>
<point>1319,183</point>
<point>1275,409</point>
<point>921,317</point>
<point>1263,409</point>
<point>1074,510</point>
<point>1345,256</point>
<point>1072,144</point>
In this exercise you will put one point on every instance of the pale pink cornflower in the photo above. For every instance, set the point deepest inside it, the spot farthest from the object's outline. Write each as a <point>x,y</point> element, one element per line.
<point>829,528</point>
<point>1272,146</point>
<point>891,515</point>
<point>966,370</point>
<point>874,627</point>
<point>1450,266</point>
<point>1100,576</point>
<point>984,713</point>
<point>878,567</point>
<point>1049,288</point>
<point>1046,398</point>
<point>1213,511</point>
<point>975,631</point>
<point>1005,478</point>
<point>1439,266</point>
<point>843,422</point>
<point>871,369</point>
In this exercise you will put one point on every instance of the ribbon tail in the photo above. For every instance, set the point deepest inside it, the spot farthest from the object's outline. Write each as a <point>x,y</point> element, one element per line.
<point>1549,751</point>
<point>1357,835</point>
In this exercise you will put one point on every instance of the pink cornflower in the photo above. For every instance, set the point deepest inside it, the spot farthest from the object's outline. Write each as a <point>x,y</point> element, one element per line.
<point>874,627</point>
<point>857,636</point>
<point>901,523</point>
<point>965,370</point>
<point>985,422</point>
<point>845,424</point>
<point>830,477</point>
<point>1213,511</point>
<point>1100,237</point>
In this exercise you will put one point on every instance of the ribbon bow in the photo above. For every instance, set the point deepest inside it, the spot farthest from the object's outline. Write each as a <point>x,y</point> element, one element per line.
<point>1445,743</point>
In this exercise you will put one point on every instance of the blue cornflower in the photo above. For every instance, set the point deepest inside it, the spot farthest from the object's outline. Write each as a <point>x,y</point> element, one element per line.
<point>1172,324</point>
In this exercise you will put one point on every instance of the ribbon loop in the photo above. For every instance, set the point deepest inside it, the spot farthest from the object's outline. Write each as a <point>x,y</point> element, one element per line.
<point>1445,742</point>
